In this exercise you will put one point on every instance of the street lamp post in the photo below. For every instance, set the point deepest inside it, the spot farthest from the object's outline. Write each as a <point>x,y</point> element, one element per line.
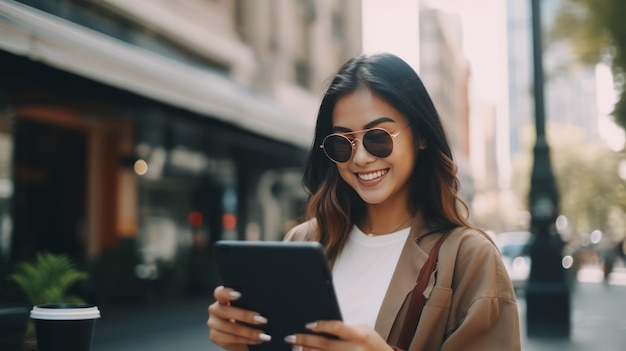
<point>547,292</point>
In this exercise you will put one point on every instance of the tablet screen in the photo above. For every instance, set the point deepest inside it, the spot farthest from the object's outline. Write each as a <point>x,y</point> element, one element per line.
<point>289,283</point>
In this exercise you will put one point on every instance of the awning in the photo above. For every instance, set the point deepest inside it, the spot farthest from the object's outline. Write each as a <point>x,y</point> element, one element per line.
<point>29,32</point>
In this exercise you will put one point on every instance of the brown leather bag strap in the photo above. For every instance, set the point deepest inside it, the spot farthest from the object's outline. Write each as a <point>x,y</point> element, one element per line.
<point>417,300</point>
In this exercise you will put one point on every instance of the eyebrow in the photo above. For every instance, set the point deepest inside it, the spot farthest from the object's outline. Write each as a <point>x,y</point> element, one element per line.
<point>371,124</point>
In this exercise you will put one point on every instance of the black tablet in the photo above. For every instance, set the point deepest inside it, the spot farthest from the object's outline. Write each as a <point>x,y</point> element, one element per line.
<point>289,283</point>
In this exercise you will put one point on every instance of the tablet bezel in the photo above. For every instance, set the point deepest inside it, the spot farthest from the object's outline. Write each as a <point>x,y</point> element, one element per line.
<point>290,283</point>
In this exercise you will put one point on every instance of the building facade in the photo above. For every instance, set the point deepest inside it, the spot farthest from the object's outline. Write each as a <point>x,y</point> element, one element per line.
<point>570,88</point>
<point>137,133</point>
<point>444,69</point>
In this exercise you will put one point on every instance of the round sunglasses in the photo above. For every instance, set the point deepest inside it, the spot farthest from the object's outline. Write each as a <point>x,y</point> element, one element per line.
<point>377,141</point>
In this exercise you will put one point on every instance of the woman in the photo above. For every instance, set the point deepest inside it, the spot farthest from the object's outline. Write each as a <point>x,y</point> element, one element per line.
<point>383,190</point>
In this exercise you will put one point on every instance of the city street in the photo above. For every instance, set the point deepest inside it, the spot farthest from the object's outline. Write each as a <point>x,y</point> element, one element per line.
<point>134,135</point>
<point>175,326</point>
<point>598,322</point>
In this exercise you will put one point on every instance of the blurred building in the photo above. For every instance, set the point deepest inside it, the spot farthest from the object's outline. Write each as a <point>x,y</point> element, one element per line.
<point>491,202</point>
<point>445,72</point>
<point>570,88</point>
<point>156,127</point>
<point>521,109</point>
<point>571,91</point>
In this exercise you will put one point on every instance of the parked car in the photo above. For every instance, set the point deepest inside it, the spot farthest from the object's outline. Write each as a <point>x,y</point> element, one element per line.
<point>513,248</point>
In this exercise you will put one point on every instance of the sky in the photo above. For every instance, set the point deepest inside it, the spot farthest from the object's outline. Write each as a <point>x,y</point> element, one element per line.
<point>606,99</point>
<point>392,25</point>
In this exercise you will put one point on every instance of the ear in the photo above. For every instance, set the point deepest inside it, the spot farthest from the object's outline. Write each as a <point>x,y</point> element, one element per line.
<point>422,144</point>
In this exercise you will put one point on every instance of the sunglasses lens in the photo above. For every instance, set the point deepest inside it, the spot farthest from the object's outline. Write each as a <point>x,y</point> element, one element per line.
<point>378,143</point>
<point>338,148</point>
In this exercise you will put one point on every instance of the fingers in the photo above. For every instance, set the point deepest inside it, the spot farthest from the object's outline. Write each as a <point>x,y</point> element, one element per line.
<point>225,295</point>
<point>225,322</point>
<point>224,332</point>
<point>225,327</point>
<point>337,328</point>
<point>232,313</point>
<point>222,309</point>
<point>351,337</point>
<point>319,342</point>
<point>224,340</point>
<point>302,342</point>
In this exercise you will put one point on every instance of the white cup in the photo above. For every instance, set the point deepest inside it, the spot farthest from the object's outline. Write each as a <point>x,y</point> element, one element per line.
<point>67,327</point>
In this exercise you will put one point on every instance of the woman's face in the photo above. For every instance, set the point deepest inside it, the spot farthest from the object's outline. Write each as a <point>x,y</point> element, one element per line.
<point>376,180</point>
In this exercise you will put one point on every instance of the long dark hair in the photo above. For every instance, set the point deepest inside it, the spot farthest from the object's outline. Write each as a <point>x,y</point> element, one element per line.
<point>433,184</point>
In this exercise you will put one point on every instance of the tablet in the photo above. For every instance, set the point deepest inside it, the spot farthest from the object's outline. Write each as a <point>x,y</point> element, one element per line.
<point>289,283</point>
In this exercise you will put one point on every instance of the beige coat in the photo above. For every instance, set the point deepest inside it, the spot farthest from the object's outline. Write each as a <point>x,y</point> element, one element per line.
<point>471,304</point>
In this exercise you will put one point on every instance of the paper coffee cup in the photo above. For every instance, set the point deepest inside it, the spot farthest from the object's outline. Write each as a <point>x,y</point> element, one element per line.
<point>67,327</point>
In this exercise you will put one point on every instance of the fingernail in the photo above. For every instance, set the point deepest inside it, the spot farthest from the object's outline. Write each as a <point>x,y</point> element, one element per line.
<point>260,319</point>
<point>311,325</point>
<point>290,339</point>
<point>296,348</point>
<point>234,293</point>
<point>264,337</point>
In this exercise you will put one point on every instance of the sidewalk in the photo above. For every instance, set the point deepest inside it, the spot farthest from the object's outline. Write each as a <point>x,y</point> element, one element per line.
<point>598,320</point>
<point>171,326</point>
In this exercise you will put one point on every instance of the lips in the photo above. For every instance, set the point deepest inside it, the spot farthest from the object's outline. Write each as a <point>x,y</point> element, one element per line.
<point>372,175</point>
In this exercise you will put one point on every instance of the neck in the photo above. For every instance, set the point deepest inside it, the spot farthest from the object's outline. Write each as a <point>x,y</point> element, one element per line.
<point>387,225</point>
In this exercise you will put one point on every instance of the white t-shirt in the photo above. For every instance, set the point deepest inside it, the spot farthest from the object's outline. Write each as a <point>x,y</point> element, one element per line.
<point>362,272</point>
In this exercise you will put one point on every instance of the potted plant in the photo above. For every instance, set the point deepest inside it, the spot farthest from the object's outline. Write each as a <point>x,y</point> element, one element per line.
<point>47,281</point>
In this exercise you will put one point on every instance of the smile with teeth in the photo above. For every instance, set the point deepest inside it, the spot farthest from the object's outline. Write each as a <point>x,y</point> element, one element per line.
<point>372,175</point>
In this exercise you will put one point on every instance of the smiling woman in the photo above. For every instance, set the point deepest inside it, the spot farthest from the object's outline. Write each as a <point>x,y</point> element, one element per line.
<point>381,164</point>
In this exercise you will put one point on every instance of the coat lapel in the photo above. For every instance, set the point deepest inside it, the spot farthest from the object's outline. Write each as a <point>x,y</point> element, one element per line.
<point>404,277</point>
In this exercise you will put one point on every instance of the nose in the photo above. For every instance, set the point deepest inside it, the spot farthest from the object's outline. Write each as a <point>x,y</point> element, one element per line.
<point>361,156</point>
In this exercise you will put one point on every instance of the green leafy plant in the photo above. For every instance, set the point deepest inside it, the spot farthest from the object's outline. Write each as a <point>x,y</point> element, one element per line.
<point>48,279</point>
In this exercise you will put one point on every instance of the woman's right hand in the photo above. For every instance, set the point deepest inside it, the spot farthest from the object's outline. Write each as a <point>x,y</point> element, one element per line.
<point>225,327</point>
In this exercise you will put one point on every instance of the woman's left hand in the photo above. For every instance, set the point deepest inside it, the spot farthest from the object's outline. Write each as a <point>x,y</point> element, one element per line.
<point>351,338</point>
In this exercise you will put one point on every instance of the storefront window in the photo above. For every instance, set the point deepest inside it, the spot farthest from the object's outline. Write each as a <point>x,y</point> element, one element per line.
<point>182,203</point>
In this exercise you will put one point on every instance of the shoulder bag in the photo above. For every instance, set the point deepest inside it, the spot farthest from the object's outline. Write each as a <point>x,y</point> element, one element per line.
<point>417,301</point>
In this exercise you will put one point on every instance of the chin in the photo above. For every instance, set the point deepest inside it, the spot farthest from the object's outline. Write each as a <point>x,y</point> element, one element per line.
<point>372,199</point>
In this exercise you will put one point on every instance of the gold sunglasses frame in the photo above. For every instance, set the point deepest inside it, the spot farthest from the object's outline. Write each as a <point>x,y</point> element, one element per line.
<point>353,141</point>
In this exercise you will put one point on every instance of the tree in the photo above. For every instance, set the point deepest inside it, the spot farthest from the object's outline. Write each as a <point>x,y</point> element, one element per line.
<point>597,31</point>
<point>591,193</point>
